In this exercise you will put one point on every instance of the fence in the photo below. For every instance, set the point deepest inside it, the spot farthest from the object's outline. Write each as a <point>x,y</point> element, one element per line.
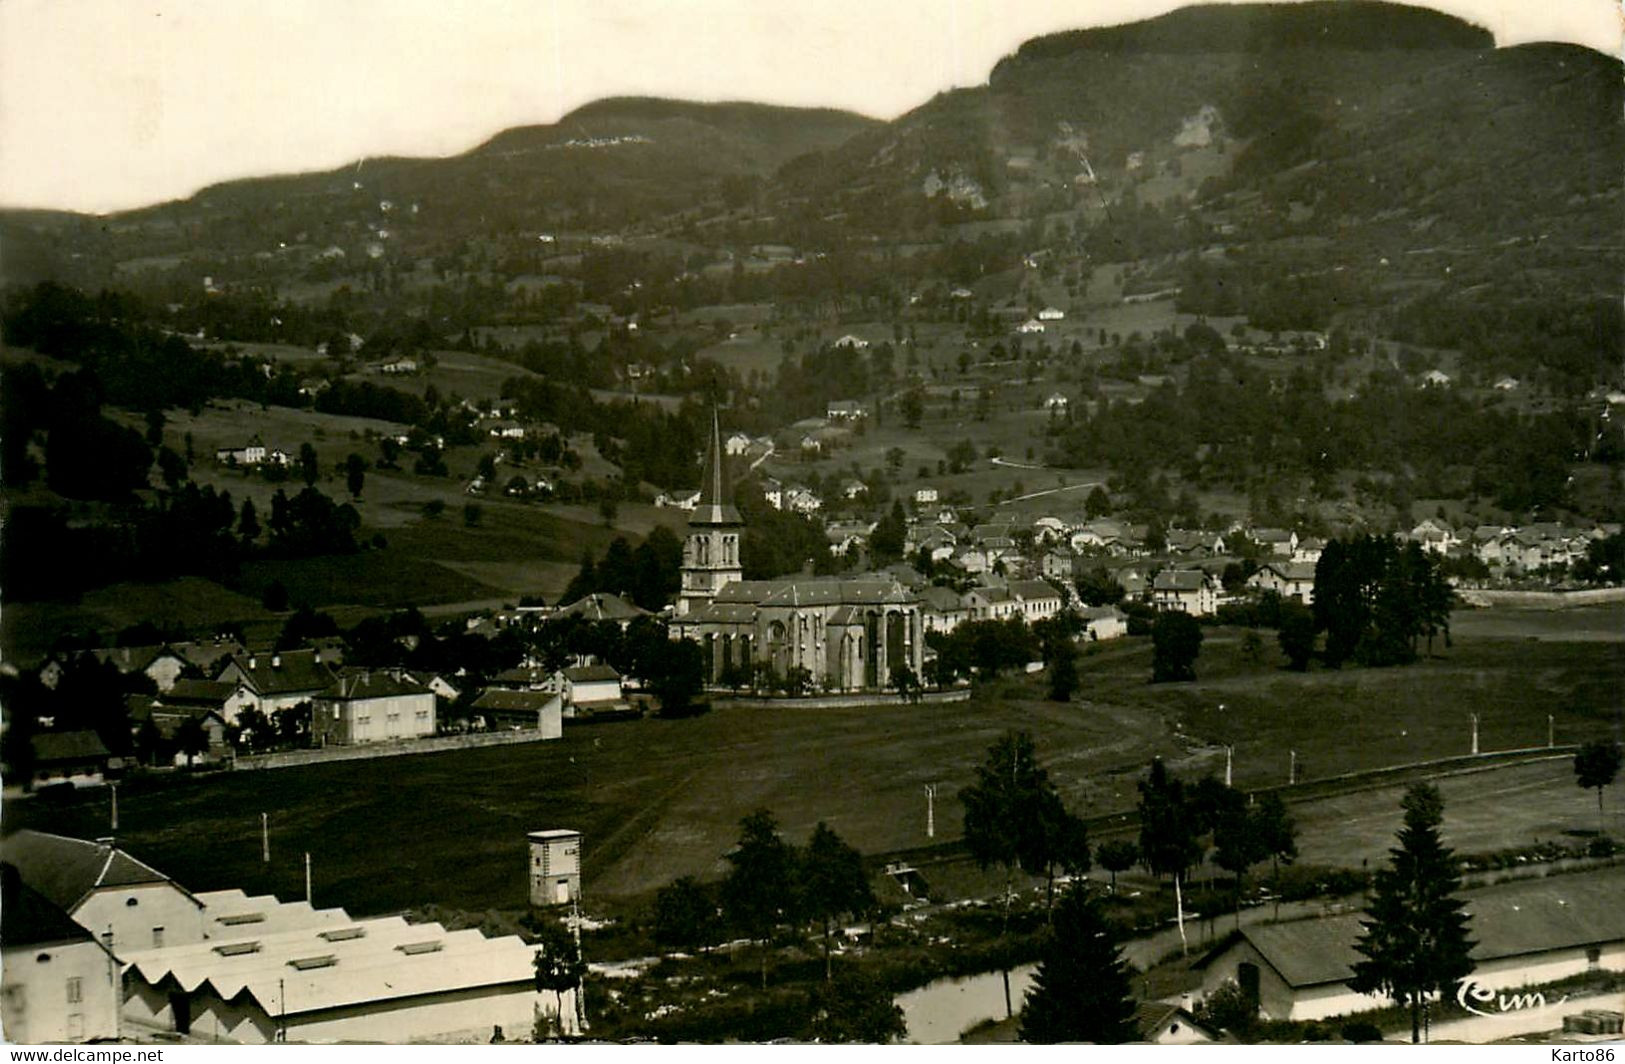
<point>439,744</point>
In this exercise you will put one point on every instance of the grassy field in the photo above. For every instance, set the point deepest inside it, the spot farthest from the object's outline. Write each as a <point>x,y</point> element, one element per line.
<point>658,798</point>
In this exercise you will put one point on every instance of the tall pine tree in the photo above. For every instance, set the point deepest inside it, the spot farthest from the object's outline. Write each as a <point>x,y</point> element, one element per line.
<point>1415,943</point>
<point>1081,992</point>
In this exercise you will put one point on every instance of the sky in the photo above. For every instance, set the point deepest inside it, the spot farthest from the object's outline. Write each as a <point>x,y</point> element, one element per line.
<point>112,104</point>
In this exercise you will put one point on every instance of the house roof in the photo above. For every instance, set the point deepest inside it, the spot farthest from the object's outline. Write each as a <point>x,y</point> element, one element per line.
<point>284,672</point>
<point>68,746</point>
<point>28,918</point>
<point>590,674</point>
<point>1180,580</point>
<point>1508,920</point>
<point>357,684</point>
<point>206,655</point>
<point>201,692</point>
<point>1033,589</point>
<point>1294,571</point>
<point>525,674</point>
<point>1152,1016</point>
<point>132,659</point>
<point>602,606</point>
<point>519,701</point>
<point>67,870</point>
<point>940,599</point>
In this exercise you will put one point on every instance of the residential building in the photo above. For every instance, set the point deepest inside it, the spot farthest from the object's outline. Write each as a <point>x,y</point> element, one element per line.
<point>1290,580</point>
<point>1189,591</point>
<point>224,699</point>
<point>1056,403</point>
<point>278,679</point>
<point>1051,314</point>
<point>603,606</point>
<point>58,981</point>
<point>1030,327</point>
<point>160,664</point>
<point>1101,623</point>
<point>522,710</point>
<point>846,410</point>
<point>942,609</point>
<point>1278,541</point>
<point>925,496</point>
<point>586,688</point>
<point>1165,1024</point>
<point>105,890</point>
<point>1528,932</point>
<point>78,758</point>
<point>366,706</point>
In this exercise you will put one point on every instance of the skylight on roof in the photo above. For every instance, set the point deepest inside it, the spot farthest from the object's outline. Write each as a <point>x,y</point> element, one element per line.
<point>343,934</point>
<point>234,919</point>
<point>237,949</point>
<point>412,949</point>
<point>305,964</point>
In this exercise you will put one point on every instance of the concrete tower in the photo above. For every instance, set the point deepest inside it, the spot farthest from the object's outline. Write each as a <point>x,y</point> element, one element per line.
<point>711,552</point>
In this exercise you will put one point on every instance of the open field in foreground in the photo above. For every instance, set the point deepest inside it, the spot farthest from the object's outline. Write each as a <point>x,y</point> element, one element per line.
<point>658,798</point>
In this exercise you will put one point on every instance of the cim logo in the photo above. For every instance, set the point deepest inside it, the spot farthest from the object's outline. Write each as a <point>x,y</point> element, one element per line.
<point>1470,992</point>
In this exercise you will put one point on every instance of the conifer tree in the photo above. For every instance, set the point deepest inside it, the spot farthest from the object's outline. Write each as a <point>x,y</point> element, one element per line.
<point>1081,992</point>
<point>1415,943</point>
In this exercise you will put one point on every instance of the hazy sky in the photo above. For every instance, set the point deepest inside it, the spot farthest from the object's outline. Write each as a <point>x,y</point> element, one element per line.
<point>107,104</point>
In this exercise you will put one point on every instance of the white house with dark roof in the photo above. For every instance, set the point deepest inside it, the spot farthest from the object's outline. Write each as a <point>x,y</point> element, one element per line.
<point>1290,580</point>
<point>278,679</point>
<point>1191,591</point>
<point>1528,932</point>
<point>369,706</point>
<point>127,902</point>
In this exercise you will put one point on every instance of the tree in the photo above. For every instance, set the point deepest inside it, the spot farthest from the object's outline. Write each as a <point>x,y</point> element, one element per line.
<point>1081,991</point>
<point>855,1009</point>
<point>685,915</point>
<point>248,522</point>
<point>355,474</point>
<point>191,739</point>
<point>1297,635</point>
<point>1117,856</point>
<point>1097,587</point>
<point>1169,843</point>
<point>1063,670</point>
<point>1006,806</point>
<point>886,541</point>
<point>905,682</point>
<point>1098,504</point>
<point>758,894</point>
<point>473,514</point>
<point>308,468</point>
<point>1416,942</point>
<point>1278,835</point>
<point>1238,842</point>
<point>833,883</point>
<point>1176,640</point>
<point>558,963</point>
<point>1596,765</point>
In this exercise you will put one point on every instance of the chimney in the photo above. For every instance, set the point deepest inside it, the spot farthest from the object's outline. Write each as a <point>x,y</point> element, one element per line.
<point>107,842</point>
<point>253,662</point>
<point>276,661</point>
<point>316,655</point>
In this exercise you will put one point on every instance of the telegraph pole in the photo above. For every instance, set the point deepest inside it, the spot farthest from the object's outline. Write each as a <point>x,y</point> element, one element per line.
<point>1292,769</point>
<point>307,878</point>
<point>265,838</point>
<point>1229,758</point>
<point>113,786</point>
<point>1551,732</point>
<point>1475,732</point>
<point>930,810</point>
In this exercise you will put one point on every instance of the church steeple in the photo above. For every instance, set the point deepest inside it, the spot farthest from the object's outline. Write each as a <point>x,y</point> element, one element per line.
<point>711,551</point>
<point>715,507</point>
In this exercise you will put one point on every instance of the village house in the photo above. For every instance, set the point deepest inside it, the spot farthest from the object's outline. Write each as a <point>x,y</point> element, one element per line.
<point>846,410</point>
<point>1528,932</point>
<point>252,453</point>
<point>926,496</point>
<point>58,982</point>
<point>159,664</point>
<point>501,710</point>
<point>1309,550</point>
<point>126,902</point>
<point>77,758</point>
<point>1030,327</point>
<point>1435,537</point>
<point>1189,591</point>
<point>1280,542</point>
<point>1056,403</point>
<point>1163,1024</point>
<point>737,444</point>
<point>1290,580</point>
<point>169,721</point>
<point>853,489</point>
<point>366,706</point>
<point>603,606</point>
<point>1101,623</point>
<point>852,343</point>
<point>942,609</point>
<point>587,689</point>
<point>224,699</point>
<point>278,679</point>
<point>1051,314</point>
<point>1183,543</point>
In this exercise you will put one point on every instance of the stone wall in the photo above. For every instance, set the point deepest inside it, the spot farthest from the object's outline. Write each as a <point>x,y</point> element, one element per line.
<point>439,744</point>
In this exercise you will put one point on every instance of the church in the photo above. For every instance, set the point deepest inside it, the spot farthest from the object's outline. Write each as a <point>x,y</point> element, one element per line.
<point>848,634</point>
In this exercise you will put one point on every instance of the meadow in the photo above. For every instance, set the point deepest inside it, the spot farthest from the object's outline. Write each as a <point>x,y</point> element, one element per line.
<point>658,798</point>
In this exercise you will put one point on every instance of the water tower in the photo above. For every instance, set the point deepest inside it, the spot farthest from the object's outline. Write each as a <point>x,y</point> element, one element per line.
<point>555,867</point>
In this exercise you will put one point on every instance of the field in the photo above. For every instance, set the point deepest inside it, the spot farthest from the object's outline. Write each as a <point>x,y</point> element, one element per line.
<point>657,799</point>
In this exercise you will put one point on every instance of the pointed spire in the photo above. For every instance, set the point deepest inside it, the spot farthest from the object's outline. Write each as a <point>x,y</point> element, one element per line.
<point>714,507</point>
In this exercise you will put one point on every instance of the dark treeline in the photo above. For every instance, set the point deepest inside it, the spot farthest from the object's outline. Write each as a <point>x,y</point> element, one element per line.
<point>1228,426</point>
<point>1376,599</point>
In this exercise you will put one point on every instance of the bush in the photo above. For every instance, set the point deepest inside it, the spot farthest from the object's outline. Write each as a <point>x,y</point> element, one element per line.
<point>1360,1031</point>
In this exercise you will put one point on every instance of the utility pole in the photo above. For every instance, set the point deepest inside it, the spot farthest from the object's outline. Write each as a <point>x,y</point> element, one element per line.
<point>1292,769</point>
<point>265,838</point>
<point>1229,758</point>
<point>930,810</point>
<point>581,987</point>
<point>1551,732</point>
<point>114,788</point>
<point>307,878</point>
<point>1475,732</point>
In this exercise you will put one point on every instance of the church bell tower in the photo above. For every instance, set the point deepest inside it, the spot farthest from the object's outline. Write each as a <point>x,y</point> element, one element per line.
<point>711,551</point>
